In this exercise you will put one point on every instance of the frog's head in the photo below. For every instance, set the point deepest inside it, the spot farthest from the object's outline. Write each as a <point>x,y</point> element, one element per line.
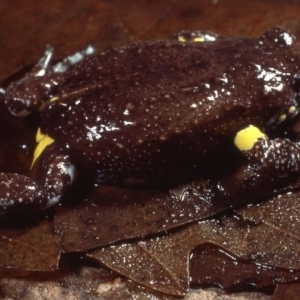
<point>29,94</point>
<point>41,83</point>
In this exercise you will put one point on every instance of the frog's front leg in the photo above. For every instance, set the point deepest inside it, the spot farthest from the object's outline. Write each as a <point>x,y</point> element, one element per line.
<point>277,158</point>
<point>18,192</point>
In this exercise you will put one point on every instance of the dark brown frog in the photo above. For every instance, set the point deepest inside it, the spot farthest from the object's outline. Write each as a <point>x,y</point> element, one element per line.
<point>150,110</point>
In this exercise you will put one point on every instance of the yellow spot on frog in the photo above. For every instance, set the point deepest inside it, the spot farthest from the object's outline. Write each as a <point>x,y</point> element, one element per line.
<point>292,109</point>
<point>198,39</point>
<point>282,118</point>
<point>43,103</point>
<point>53,99</point>
<point>246,138</point>
<point>181,39</point>
<point>43,141</point>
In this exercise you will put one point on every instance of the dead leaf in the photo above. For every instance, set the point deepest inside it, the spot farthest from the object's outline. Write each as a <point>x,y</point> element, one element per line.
<point>158,263</point>
<point>211,265</point>
<point>111,213</point>
<point>287,291</point>
<point>34,248</point>
<point>273,241</point>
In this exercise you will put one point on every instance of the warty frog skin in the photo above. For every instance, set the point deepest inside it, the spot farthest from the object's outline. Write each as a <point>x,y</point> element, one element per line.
<point>151,110</point>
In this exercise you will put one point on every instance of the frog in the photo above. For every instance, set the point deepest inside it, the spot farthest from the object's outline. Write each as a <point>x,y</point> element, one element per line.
<point>151,110</point>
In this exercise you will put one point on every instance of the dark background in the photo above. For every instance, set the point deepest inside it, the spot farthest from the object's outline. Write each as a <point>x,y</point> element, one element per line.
<point>27,26</point>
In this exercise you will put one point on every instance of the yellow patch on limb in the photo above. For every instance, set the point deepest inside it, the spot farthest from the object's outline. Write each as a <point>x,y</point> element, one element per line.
<point>43,141</point>
<point>246,138</point>
<point>39,135</point>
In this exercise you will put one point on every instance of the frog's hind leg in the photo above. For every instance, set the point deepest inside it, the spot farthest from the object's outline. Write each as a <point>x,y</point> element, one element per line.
<point>18,192</point>
<point>277,158</point>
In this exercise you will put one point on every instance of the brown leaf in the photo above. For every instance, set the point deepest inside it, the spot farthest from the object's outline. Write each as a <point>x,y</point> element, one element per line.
<point>160,263</point>
<point>211,265</point>
<point>274,240</point>
<point>35,248</point>
<point>287,291</point>
<point>111,214</point>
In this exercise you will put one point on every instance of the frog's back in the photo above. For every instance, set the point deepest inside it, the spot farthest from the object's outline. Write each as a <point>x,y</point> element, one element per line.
<point>149,102</point>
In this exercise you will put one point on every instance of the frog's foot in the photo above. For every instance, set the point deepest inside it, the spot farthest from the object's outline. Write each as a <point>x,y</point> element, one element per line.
<point>279,157</point>
<point>40,84</point>
<point>18,192</point>
<point>196,36</point>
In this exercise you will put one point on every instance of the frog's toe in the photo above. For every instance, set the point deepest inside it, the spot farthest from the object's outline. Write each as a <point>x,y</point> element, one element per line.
<point>246,139</point>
